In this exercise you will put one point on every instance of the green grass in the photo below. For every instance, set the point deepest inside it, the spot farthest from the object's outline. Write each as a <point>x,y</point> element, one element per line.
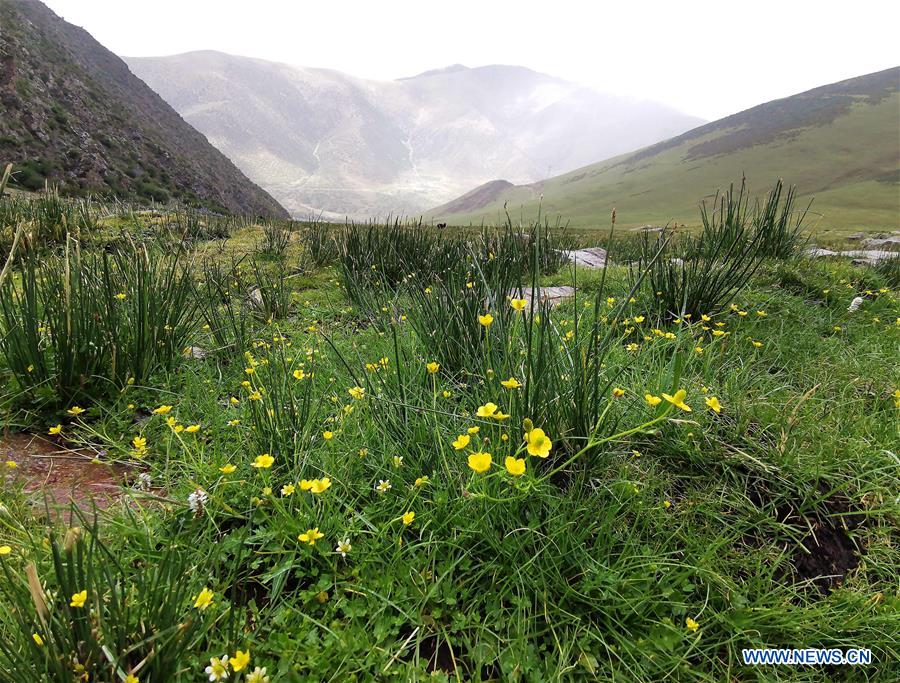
<point>847,161</point>
<point>587,567</point>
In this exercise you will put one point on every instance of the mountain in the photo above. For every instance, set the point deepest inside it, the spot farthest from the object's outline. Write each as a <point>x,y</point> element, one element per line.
<point>839,143</point>
<point>324,141</point>
<point>73,113</point>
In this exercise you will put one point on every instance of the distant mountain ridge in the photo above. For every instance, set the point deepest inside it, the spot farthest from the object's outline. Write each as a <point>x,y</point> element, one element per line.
<point>323,141</point>
<point>75,115</point>
<point>839,143</point>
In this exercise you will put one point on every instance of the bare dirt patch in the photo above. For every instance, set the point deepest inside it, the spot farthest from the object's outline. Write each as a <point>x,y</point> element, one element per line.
<point>48,469</point>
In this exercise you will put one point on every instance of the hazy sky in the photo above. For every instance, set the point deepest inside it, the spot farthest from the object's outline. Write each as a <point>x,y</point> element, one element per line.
<point>705,58</point>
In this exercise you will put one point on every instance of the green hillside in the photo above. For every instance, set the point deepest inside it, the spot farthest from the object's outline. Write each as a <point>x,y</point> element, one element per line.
<point>839,143</point>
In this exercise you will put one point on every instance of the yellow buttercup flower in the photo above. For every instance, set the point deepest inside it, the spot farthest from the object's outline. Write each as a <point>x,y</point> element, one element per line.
<point>461,441</point>
<point>652,400</point>
<point>678,400</point>
<point>240,660</point>
<point>311,536</point>
<point>486,319</point>
<point>75,411</point>
<point>511,383</point>
<point>713,404</point>
<point>204,599</point>
<point>408,518</point>
<point>487,410</point>
<point>78,599</point>
<point>356,392</point>
<point>538,443</point>
<point>263,461</point>
<point>227,469</point>
<point>433,367</point>
<point>691,625</point>
<point>192,429</point>
<point>287,490</point>
<point>480,462</point>
<point>299,374</point>
<point>37,639</point>
<point>55,430</point>
<point>618,392</point>
<point>320,485</point>
<point>5,550</point>
<point>515,466</point>
<point>518,304</point>
<point>162,410</point>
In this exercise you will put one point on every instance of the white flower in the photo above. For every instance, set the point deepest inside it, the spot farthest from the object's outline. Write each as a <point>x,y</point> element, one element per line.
<point>258,676</point>
<point>383,485</point>
<point>343,547</point>
<point>855,304</point>
<point>218,668</point>
<point>197,503</point>
<point>144,481</point>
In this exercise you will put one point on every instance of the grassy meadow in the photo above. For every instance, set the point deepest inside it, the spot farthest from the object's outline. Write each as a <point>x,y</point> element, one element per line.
<point>372,452</point>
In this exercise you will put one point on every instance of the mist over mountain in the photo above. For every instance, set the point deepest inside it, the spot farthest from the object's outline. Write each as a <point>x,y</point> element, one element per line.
<point>838,143</point>
<point>321,141</point>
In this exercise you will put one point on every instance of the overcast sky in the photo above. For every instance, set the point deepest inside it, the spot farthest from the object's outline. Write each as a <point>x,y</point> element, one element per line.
<point>704,58</point>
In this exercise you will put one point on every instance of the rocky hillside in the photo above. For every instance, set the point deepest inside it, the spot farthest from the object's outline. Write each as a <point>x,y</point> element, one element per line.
<point>73,114</point>
<point>324,141</point>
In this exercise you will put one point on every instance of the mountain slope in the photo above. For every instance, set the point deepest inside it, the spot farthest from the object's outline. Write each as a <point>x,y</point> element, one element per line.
<point>74,114</point>
<point>839,143</point>
<point>321,140</point>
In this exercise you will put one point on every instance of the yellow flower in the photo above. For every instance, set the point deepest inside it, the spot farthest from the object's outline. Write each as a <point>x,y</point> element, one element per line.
<point>255,395</point>
<point>240,660</point>
<point>139,443</point>
<point>480,462</point>
<point>518,304</point>
<point>5,550</point>
<point>75,411</point>
<point>203,599</point>
<point>305,484</point>
<point>486,319</point>
<point>678,400</point>
<point>755,343</point>
<point>473,430</point>
<point>287,490</point>
<point>719,333</point>
<point>421,481</point>
<point>652,400</point>
<point>511,383</point>
<point>55,430</point>
<point>638,319</point>
<point>162,410</point>
<point>78,599</point>
<point>761,314</point>
<point>539,444</point>
<point>320,485</point>
<point>12,464</point>
<point>698,350</point>
<point>263,461</point>
<point>299,374</point>
<point>328,436</point>
<point>433,367</point>
<point>227,469</point>
<point>713,404</point>
<point>515,466</point>
<point>131,678</point>
<point>192,429</point>
<point>356,392</point>
<point>37,639</point>
<point>618,392</point>
<point>461,441</point>
<point>311,536</point>
<point>408,518</point>
<point>691,625</point>
<point>120,296</point>
<point>487,410</point>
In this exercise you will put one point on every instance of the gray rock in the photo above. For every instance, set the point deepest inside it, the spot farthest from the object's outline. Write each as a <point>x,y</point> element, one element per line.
<point>255,296</point>
<point>594,257</point>
<point>553,295</point>
<point>874,242</point>
<point>195,352</point>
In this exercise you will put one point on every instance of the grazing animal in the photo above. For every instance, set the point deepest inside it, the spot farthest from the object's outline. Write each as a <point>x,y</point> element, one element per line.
<point>442,225</point>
